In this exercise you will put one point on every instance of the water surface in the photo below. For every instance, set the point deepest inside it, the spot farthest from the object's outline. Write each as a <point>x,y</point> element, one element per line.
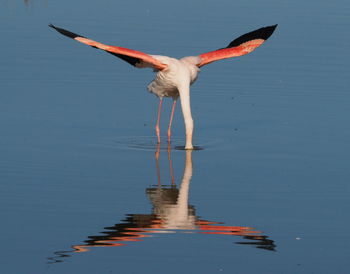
<point>84,187</point>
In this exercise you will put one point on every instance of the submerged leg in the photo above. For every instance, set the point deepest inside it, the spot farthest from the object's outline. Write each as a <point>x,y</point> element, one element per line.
<point>171,165</point>
<point>158,120</point>
<point>157,163</point>
<point>171,119</point>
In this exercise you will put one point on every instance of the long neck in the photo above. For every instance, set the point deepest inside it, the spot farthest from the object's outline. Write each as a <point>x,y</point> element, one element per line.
<point>184,91</point>
<point>182,200</point>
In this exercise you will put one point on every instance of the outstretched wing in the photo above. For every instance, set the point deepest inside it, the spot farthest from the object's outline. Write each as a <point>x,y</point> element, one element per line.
<point>238,47</point>
<point>133,57</point>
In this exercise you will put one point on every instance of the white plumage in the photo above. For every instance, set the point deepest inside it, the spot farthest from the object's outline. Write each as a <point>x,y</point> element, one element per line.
<point>174,76</point>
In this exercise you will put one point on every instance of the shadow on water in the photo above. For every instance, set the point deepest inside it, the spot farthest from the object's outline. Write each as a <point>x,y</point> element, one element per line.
<point>171,213</point>
<point>149,143</point>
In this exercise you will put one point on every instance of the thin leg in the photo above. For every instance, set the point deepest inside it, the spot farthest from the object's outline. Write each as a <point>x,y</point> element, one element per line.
<point>158,120</point>
<point>171,166</point>
<point>171,119</point>
<point>157,163</point>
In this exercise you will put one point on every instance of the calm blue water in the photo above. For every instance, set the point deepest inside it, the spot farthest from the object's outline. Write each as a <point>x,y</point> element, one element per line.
<point>83,188</point>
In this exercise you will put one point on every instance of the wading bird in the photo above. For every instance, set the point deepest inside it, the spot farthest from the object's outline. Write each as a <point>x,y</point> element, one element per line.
<point>171,213</point>
<point>174,76</point>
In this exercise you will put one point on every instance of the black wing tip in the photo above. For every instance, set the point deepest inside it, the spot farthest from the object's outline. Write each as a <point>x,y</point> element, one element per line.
<point>65,32</point>
<point>266,32</point>
<point>262,33</point>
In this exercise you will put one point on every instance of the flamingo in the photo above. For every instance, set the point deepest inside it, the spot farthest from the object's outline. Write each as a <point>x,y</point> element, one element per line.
<point>174,76</point>
<point>171,213</point>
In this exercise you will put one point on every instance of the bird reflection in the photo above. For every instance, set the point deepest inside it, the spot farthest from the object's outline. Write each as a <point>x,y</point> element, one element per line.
<point>171,213</point>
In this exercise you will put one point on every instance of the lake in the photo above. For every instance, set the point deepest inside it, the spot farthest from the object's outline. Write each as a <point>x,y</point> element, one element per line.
<point>84,188</point>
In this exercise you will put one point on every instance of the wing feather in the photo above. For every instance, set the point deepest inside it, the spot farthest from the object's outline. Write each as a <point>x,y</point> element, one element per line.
<point>133,57</point>
<point>238,47</point>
